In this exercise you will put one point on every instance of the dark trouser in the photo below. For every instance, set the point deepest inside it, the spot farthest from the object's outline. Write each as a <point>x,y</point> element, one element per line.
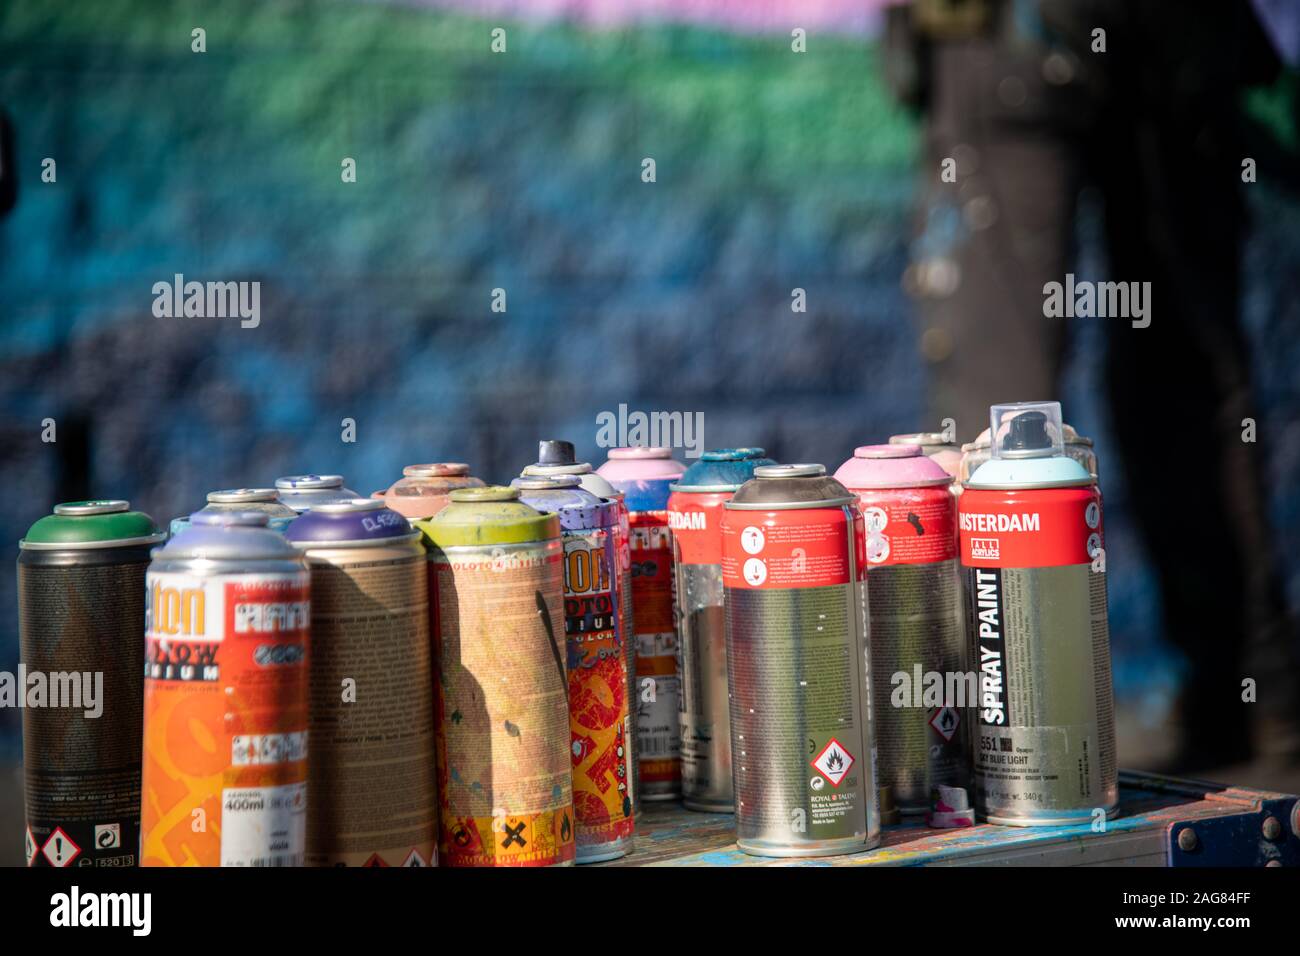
<point>1151,125</point>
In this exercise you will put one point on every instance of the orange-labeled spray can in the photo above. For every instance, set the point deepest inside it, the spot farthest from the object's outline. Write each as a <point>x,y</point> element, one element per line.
<point>225,697</point>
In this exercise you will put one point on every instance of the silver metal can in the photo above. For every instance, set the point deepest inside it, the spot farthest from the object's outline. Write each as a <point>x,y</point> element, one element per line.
<point>798,665</point>
<point>918,627</point>
<point>301,492</point>
<point>1031,546</point>
<point>695,517</point>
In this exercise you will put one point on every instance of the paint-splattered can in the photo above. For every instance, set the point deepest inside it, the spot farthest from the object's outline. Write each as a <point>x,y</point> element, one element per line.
<point>301,492</point>
<point>938,447</point>
<point>371,792</point>
<point>598,660</point>
<point>643,476</point>
<point>226,697</point>
<point>423,490</point>
<point>695,515</point>
<point>1030,524</point>
<point>80,616</point>
<point>558,458</point>
<point>505,778</point>
<point>917,620</point>
<point>798,663</point>
<point>266,500</point>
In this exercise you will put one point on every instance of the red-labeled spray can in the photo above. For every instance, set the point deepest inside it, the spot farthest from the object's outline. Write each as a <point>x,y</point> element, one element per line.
<point>1031,546</point>
<point>643,476</point>
<point>918,628</point>
<point>798,665</point>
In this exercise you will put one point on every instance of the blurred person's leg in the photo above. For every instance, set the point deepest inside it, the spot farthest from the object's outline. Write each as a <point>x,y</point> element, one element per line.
<point>1167,161</point>
<point>988,242</point>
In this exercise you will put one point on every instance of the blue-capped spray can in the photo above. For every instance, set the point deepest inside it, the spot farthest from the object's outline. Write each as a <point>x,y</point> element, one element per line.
<point>694,512</point>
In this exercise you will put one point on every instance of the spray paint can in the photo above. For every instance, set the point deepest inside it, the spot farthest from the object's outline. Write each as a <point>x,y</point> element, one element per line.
<point>505,778</point>
<point>1078,447</point>
<point>643,476</point>
<point>301,492</point>
<point>798,664</point>
<point>80,613</point>
<point>423,490</point>
<point>598,660</point>
<point>937,447</point>
<point>1030,524</point>
<point>558,458</point>
<point>695,515</point>
<point>371,794</point>
<point>917,620</point>
<point>265,500</point>
<point>226,697</point>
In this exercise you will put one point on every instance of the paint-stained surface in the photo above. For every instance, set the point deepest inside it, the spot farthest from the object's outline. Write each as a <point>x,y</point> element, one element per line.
<point>1151,808</point>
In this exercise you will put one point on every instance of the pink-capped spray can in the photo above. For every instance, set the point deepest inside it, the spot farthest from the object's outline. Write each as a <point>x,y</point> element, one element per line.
<point>643,475</point>
<point>917,624</point>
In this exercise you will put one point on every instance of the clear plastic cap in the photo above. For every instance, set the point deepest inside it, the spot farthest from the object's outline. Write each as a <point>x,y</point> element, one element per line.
<point>1026,430</point>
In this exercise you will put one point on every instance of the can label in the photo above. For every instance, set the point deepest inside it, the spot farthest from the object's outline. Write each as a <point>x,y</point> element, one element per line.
<point>504,779</point>
<point>1037,619</point>
<point>918,628</point>
<point>909,526</point>
<point>695,521</point>
<point>658,739</point>
<point>627,635</point>
<point>372,787</point>
<point>800,701</point>
<point>225,719</point>
<point>82,774</point>
<point>802,550</point>
<point>598,663</point>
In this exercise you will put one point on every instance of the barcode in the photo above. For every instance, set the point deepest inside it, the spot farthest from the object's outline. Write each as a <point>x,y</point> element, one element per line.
<point>656,747</point>
<point>279,859</point>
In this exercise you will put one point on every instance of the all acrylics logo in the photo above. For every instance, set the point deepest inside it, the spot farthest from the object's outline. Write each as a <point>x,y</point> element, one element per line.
<point>629,429</point>
<point>208,300</point>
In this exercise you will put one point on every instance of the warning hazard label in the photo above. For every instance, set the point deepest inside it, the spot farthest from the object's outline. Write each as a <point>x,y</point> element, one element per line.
<point>945,721</point>
<point>833,762</point>
<point>60,850</point>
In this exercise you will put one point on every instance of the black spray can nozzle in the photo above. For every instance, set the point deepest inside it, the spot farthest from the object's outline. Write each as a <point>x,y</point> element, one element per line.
<point>554,451</point>
<point>1027,432</point>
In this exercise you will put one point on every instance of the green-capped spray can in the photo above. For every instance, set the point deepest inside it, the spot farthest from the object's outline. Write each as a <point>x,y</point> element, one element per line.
<point>497,596</point>
<point>81,616</point>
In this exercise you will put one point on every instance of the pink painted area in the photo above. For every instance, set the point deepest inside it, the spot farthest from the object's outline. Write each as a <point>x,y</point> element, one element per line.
<point>641,464</point>
<point>890,466</point>
<point>748,16</point>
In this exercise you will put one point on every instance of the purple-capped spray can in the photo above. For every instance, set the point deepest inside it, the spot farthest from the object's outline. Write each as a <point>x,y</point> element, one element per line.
<point>372,792</point>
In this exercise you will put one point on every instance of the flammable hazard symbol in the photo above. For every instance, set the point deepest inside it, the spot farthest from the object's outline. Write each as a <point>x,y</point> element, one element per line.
<point>375,860</point>
<point>833,762</point>
<point>29,846</point>
<point>59,849</point>
<point>414,859</point>
<point>945,721</point>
